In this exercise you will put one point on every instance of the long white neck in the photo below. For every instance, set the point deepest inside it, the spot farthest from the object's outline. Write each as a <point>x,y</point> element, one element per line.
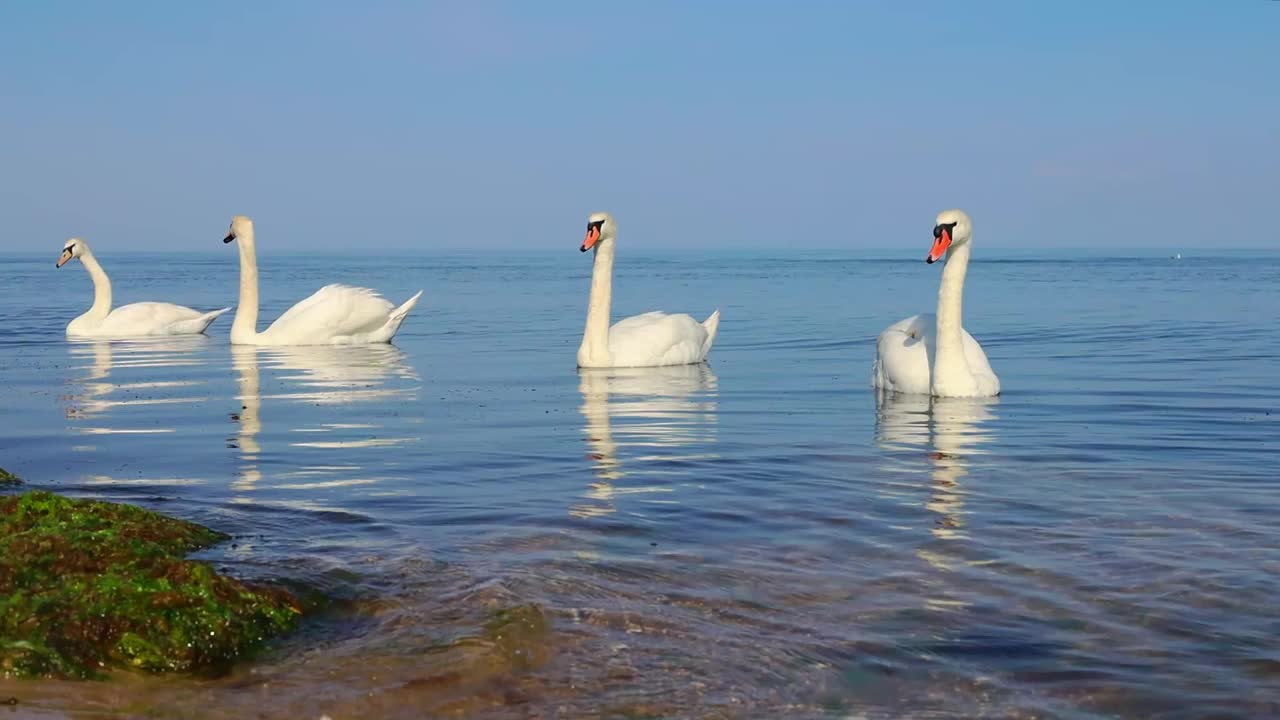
<point>101,285</point>
<point>595,338</point>
<point>245,326</point>
<point>949,364</point>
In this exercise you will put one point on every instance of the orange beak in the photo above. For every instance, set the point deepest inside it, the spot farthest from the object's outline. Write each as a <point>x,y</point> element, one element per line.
<point>593,237</point>
<point>66,255</point>
<point>941,241</point>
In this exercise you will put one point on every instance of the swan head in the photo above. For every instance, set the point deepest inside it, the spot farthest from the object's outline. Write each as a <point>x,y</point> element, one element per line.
<point>73,248</point>
<point>241,226</point>
<point>600,229</point>
<point>952,229</point>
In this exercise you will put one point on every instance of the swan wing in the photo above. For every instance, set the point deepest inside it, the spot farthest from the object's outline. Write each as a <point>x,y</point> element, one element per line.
<point>904,355</point>
<point>154,318</point>
<point>332,313</point>
<point>656,339</point>
<point>903,351</point>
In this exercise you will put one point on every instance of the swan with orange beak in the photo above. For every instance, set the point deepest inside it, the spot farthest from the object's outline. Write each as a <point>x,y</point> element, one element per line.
<point>650,340</point>
<point>932,354</point>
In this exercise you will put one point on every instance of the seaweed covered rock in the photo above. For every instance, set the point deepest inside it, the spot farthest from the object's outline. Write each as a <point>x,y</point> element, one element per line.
<point>7,478</point>
<point>88,585</point>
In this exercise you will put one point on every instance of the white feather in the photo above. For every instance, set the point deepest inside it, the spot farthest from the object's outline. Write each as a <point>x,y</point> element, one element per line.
<point>905,350</point>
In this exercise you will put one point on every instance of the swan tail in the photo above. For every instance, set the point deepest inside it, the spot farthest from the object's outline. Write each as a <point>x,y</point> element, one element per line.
<point>399,313</point>
<point>197,324</point>
<point>212,315</point>
<point>397,317</point>
<point>712,324</point>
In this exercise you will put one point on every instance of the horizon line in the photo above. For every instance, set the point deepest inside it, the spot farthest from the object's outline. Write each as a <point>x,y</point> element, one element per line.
<point>679,249</point>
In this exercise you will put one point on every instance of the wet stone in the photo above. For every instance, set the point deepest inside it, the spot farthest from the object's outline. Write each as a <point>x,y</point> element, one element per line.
<point>519,634</point>
<point>88,586</point>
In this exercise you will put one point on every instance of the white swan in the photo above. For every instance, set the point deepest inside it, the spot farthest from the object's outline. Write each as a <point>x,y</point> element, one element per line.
<point>334,315</point>
<point>649,340</point>
<point>127,321</point>
<point>933,354</point>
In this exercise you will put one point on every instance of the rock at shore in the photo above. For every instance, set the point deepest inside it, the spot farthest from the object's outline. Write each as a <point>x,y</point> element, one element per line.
<point>87,586</point>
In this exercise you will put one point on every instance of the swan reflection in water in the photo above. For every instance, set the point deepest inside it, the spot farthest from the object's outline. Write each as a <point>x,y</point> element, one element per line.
<point>324,376</point>
<point>953,430</point>
<point>95,362</point>
<point>652,417</point>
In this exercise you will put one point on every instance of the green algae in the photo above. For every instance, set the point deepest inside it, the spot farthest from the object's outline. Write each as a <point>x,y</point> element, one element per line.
<point>87,586</point>
<point>7,478</point>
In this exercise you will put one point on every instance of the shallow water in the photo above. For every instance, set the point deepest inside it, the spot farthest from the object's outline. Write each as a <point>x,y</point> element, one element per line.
<point>761,537</point>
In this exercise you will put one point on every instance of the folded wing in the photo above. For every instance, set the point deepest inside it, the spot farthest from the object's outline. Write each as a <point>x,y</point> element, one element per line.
<point>333,312</point>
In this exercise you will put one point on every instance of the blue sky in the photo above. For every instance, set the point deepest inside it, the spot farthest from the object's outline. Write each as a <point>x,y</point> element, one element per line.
<point>703,123</point>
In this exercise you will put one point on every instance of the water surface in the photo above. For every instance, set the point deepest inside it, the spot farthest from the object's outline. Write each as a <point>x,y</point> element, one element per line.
<point>759,537</point>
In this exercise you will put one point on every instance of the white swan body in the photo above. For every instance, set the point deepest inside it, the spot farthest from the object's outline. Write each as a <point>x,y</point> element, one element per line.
<point>934,354</point>
<point>333,315</point>
<point>143,319</point>
<point>902,359</point>
<point>650,340</point>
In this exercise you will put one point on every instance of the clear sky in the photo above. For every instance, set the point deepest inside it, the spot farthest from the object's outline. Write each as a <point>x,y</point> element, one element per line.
<point>401,125</point>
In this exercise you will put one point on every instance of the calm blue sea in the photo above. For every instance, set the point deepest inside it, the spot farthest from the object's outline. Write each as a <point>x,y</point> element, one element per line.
<point>758,538</point>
